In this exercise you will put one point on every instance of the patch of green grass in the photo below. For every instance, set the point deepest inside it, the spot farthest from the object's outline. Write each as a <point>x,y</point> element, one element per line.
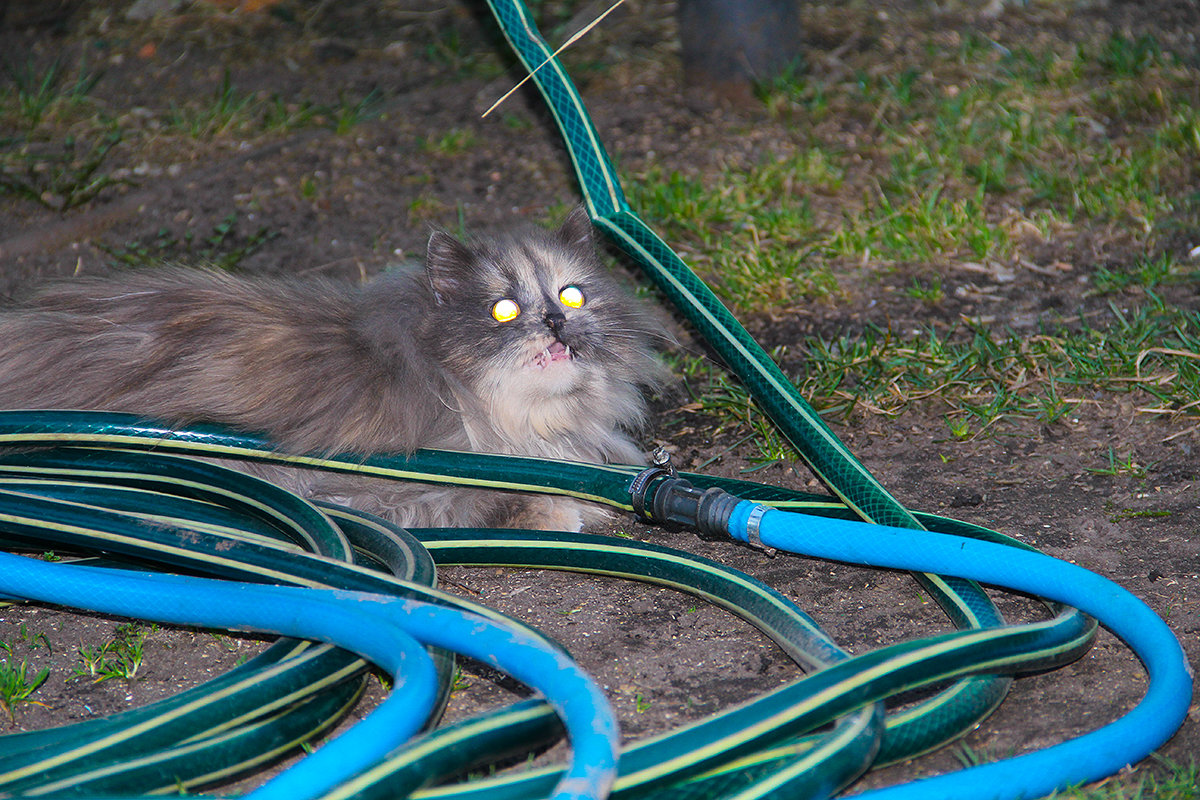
<point>980,377</point>
<point>516,122</point>
<point>1146,513</point>
<point>224,247</point>
<point>966,150</point>
<point>451,143</point>
<point>1126,57</point>
<point>1173,781</point>
<point>1121,465</point>
<point>33,641</point>
<point>959,426</point>
<point>18,680</point>
<point>970,757</point>
<point>461,56</point>
<point>59,142</point>
<point>460,681</point>
<point>16,684</point>
<point>1150,351</point>
<point>929,291</point>
<point>922,225</point>
<point>34,94</point>
<point>749,232</point>
<point>349,113</point>
<point>715,392</point>
<point>229,110</point>
<point>59,175</point>
<point>1145,273</point>
<point>1170,780</point>
<point>276,114</point>
<point>947,156</point>
<point>222,640</point>
<point>119,657</point>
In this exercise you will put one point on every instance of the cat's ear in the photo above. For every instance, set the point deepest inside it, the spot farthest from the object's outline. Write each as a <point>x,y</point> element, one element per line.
<point>445,260</point>
<point>576,230</point>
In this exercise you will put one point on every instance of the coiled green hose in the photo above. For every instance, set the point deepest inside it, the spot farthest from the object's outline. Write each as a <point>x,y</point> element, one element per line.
<point>726,750</point>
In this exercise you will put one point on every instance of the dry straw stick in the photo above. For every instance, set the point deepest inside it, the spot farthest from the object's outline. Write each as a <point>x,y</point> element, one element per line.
<point>574,38</point>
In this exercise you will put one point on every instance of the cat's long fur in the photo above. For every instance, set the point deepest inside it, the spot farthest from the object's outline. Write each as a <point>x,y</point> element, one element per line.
<point>411,359</point>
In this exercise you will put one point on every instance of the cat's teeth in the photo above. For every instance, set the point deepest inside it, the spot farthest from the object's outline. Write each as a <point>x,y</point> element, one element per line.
<point>555,352</point>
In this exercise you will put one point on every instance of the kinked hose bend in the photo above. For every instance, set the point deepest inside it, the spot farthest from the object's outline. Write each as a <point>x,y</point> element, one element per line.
<point>396,623</point>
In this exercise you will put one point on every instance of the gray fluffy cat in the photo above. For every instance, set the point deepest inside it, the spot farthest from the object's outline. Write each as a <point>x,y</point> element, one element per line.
<point>516,344</point>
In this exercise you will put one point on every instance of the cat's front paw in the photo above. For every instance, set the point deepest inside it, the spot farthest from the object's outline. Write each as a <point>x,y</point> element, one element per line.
<point>561,515</point>
<point>546,514</point>
<point>565,519</point>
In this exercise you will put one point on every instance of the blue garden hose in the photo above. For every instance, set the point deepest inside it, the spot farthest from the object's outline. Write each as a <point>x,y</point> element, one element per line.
<point>388,631</point>
<point>1087,758</point>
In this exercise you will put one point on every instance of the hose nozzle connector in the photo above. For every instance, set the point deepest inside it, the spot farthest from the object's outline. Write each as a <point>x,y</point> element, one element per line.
<point>677,501</point>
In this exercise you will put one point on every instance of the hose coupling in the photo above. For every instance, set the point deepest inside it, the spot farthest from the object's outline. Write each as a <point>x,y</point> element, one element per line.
<point>676,501</point>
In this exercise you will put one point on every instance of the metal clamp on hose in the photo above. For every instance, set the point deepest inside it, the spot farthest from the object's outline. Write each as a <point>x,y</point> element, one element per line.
<point>637,490</point>
<point>753,535</point>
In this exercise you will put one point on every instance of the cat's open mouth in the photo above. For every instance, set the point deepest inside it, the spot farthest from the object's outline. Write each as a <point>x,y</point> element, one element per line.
<point>557,351</point>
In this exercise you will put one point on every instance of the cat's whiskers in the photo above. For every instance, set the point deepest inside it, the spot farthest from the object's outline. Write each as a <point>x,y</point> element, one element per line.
<point>639,333</point>
<point>635,372</point>
<point>458,409</point>
<point>127,295</point>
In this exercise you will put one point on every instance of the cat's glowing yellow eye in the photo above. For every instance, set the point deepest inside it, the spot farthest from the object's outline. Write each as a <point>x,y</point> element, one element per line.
<point>571,297</point>
<point>505,310</point>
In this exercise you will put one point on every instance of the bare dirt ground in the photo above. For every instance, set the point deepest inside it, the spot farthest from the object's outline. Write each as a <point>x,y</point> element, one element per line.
<point>308,198</point>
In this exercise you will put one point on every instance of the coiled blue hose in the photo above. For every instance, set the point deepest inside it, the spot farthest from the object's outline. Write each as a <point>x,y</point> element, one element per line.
<point>1087,758</point>
<point>388,631</point>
